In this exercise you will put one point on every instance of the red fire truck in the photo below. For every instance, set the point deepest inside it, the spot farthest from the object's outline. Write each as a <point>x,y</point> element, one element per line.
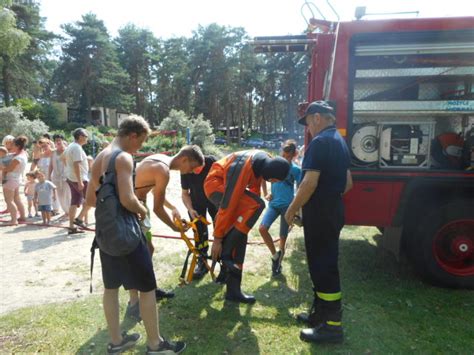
<point>404,100</point>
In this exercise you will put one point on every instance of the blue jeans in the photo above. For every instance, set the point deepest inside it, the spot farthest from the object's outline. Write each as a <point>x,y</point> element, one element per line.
<point>271,214</point>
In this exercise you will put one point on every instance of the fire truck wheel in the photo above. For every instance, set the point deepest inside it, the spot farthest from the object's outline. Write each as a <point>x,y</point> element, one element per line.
<point>443,250</point>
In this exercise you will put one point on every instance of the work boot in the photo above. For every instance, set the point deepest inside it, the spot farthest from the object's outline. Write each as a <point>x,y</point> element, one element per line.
<point>310,318</point>
<point>329,329</point>
<point>201,269</point>
<point>234,293</point>
<point>323,333</point>
<point>160,294</point>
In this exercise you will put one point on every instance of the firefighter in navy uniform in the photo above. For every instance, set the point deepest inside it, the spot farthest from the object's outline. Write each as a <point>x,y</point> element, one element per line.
<point>233,185</point>
<point>326,177</point>
<point>196,202</point>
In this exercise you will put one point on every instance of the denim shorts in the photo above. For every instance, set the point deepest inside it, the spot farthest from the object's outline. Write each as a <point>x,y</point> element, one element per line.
<point>45,208</point>
<point>271,214</point>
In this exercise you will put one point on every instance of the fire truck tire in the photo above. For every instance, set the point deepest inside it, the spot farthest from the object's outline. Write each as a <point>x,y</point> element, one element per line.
<point>443,248</point>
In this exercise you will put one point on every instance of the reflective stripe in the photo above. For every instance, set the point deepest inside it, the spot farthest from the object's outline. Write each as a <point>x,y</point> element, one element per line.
<point>329,296</point>
<point>330,322</point>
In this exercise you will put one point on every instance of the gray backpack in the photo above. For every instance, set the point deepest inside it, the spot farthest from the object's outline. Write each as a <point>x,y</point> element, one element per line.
<point>118,231</point>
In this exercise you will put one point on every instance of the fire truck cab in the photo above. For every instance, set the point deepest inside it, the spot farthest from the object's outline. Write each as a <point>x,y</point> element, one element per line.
<point>404,100</point>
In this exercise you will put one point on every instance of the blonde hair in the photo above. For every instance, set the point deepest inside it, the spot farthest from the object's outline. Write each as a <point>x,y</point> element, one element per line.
<point>133,124</point>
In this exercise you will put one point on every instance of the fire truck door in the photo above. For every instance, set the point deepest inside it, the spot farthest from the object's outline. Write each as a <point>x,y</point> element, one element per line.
<point>369,203</point>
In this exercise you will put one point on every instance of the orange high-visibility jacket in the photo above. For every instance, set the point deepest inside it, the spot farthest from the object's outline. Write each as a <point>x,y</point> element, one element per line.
<point>230,180</point>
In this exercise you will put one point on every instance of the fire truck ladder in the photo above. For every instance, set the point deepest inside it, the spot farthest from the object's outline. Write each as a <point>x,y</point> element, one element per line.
<point>282,44</point>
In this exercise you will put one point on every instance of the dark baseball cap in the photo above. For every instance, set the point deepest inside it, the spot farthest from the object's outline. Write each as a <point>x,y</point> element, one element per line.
<point>316,107</point>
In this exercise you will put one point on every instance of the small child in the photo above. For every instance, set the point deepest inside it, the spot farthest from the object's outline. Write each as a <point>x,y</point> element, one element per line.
<point>45,193</point>
<point>30,193</point>
<point>3,160</point>
<point>280,198</point>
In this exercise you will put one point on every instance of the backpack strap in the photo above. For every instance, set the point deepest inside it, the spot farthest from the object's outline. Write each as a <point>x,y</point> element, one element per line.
<point>94,246</point>
<point>111,166</point>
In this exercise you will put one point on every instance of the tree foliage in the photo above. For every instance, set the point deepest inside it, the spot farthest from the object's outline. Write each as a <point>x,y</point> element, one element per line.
<point>90,73</point>
<point>213,73</point>
<point>13,42</point>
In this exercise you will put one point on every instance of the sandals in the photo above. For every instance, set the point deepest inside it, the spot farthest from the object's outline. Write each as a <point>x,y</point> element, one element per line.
<point>80,223</point>
<point>74,231</point>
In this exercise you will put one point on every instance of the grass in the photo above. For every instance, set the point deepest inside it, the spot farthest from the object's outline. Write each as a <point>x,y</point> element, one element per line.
<point>387,309</point>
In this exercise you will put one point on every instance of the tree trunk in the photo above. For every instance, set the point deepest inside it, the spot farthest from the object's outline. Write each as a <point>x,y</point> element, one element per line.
<point>6,81</point>
<point>250,111</point>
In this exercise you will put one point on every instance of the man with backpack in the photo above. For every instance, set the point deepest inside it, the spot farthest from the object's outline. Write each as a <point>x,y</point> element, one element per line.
<point>133,270</point>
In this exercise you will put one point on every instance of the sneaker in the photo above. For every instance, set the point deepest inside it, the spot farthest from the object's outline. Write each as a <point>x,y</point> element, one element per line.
<point>128,341</point>
<point>276,264</point>
<point>30,216</point>
<point>133,312</point>
<point>167,347</point>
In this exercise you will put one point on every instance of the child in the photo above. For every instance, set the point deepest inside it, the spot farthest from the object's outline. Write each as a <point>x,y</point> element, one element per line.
<point>36,155</point>
<point>30,193</point>
<point>3,159</point>
<point>281,195</point>
<point>45,193</point>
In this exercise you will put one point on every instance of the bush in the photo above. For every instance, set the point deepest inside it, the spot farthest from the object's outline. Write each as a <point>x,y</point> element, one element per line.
<point>33,110</point>
<point>211,149</point>
<point>176,120</point>
<point>201,132</point>
<point>12,122</point>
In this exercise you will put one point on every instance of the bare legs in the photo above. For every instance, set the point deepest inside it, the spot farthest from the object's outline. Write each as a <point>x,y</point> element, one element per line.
<point>148,313</point>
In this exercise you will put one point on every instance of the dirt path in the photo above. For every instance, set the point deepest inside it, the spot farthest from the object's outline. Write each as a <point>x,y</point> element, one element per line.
<point>43,264</point>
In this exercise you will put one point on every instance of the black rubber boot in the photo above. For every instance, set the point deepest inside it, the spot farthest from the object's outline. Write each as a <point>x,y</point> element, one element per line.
<point>311,317</point>
<point>221,278</point>
<point>233,292</point>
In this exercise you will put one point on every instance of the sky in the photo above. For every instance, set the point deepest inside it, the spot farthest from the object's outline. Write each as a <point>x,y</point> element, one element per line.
<point>173,18</point>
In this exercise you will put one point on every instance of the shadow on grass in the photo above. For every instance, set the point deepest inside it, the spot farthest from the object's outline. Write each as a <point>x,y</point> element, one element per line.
<point>200,316</point>
<point>97,343</point>
<point>31,245</point>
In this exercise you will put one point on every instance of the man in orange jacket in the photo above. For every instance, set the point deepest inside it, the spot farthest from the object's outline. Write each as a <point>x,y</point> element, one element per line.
<point>233,185</point>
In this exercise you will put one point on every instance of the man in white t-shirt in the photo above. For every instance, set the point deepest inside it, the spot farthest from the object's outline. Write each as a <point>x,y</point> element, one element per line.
<point>77,175</point>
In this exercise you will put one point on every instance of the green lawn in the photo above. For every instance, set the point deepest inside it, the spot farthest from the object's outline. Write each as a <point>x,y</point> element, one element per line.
<point>386,309</point>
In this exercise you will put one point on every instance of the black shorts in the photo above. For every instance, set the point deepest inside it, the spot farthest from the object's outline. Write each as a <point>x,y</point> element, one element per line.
<point>133,271</point>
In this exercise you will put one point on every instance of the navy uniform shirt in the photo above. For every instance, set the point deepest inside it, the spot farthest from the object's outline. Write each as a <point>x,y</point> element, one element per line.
<point>195,183</point>
<point>328,154</point>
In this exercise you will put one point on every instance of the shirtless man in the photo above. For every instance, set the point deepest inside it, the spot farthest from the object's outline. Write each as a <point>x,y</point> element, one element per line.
<point>153,174</point>
<point>135,270</point>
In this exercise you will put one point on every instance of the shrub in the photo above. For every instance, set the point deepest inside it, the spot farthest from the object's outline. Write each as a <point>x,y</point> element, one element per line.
<point>201,132</point>
<point>12,122</point>
<point>176,120</point>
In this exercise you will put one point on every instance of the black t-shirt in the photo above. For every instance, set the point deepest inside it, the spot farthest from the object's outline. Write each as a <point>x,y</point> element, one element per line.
<point>195,182</point>
<point>328,154</point>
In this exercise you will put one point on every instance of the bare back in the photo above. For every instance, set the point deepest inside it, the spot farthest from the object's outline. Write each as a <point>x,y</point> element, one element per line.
<point>149,173</point>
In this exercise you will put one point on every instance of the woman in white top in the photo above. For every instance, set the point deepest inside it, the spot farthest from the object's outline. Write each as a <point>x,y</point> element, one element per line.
<point>14,174</point>
<point>45,158</point>
<point>57,173</point>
